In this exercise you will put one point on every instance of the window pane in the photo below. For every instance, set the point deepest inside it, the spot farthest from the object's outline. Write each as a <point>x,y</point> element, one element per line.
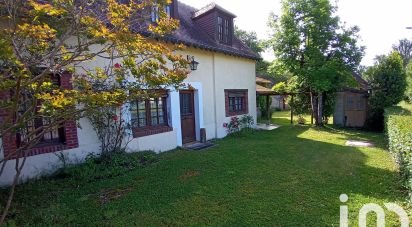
<point>186,104</point>
<point>138,114</point>
<point>153,111</point>
<point>220,28</point>
<point>226,31</point>
<point>133,112</point>
<point>155,14</point>
<point>167,10</point>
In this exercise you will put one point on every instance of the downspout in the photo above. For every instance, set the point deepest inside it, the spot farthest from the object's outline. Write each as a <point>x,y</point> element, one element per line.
<point>214,92</point>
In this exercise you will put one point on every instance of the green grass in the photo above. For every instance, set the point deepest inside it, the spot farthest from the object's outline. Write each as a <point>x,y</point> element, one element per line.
<point>291,176</point>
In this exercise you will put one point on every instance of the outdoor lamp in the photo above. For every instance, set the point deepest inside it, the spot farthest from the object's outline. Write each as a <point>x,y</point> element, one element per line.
<point>193,64</point>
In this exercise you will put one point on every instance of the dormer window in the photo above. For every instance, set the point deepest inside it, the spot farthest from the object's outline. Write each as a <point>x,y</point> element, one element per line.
<point>223,30</point>
<point>220,28</point>
<point>226,31</point>
<point>216,21</point>
<point>155,14</point>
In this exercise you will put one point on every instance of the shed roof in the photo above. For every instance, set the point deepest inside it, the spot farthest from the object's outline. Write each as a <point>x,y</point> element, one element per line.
<point>262,80</point>
<point>260,90</point>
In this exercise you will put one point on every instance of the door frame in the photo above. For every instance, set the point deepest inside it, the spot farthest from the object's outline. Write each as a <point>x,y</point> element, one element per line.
<point>193,95</point>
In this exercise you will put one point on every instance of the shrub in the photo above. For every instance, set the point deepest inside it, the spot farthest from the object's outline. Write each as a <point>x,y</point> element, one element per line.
<point>301,120</point>
<point>408,92</point>
<point>238,124</point>
<point>399,134</point>
<point>107,166</point>
<point>388,83</point>
<point>262,106</point>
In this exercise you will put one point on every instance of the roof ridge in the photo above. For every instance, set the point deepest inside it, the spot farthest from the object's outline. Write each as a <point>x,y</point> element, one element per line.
<point>210,7</point>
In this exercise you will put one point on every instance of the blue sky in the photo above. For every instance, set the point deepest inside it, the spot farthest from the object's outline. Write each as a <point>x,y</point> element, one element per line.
<point>382,22</point>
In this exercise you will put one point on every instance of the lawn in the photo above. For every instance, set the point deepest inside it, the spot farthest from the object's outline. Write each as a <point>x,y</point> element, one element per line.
<point>291,176</point>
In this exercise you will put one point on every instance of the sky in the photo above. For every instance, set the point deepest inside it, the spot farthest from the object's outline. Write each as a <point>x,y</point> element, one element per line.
<point>382,23</point>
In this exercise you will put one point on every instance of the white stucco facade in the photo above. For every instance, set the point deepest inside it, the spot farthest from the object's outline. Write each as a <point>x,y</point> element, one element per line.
<point>216,72</point>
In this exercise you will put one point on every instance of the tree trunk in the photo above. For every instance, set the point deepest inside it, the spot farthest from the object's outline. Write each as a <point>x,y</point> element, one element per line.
<point>319,122</point>
<point>314,105</point>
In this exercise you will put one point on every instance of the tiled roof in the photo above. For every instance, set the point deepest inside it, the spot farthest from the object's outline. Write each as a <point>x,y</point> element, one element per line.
<point>260,90</point>
<point>262,80</point>
<point>192,35</point>
<point>362,83</point>
<point>209,8</point>
<point>188,32</point>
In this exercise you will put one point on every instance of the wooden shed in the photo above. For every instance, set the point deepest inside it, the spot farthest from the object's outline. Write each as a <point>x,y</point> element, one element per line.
<point>351,107</point>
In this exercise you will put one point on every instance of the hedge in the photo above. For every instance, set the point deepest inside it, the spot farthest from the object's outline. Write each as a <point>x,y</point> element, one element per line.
<point>398,126</point>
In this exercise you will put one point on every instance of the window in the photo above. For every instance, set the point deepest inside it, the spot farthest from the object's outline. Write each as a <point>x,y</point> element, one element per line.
<point>40,128</point>
<point>223,30</point>
<point>155,14</point>
<point>349,103</point>
<point>359,103</point>
<point>236,102</point>
<point>149,115</point>
<point>168,10</point>
<point>226,31</point>
<point>220,28</point>
<point>61,137</point>
<point>354,103</point>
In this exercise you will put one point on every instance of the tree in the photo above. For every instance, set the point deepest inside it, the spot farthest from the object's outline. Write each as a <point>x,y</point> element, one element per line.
<point>44,41</point>
<point>408,92</point>
<point>388,83</point>
<point>311,43</point>
<point>252,41</point>
<point>404,47</point>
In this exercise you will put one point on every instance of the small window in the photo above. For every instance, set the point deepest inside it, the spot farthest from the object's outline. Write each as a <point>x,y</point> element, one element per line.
<point>220,28</point>
<point>168,10</point>
<point>236,102</point>
<point>155,14</point>
<point>224,30</point>
<point>359,103</point>
<point>350,103</point>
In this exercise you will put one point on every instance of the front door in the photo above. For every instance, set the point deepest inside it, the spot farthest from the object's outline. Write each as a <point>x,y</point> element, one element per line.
<point>187,116</point>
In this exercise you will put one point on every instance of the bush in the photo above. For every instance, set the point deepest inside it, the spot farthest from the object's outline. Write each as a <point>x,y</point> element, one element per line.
<point>236,125</point>
<point>408,92</point>
<point>107,166</point>
<point>262,106</point>
<point>301,120</point>
<point>388,83</point>
<point>399,134</point>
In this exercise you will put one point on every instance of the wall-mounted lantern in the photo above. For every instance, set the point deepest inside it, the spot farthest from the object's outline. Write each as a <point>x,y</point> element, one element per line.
<point>192,63</point>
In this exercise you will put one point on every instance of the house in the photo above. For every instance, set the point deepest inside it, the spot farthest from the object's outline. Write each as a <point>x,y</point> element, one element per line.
<point>222,86</point>
<point>351,106</point>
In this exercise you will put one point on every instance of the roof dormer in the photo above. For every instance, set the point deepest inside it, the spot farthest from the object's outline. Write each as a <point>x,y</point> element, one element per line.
<point>217,22</point>
<point>171,10</point>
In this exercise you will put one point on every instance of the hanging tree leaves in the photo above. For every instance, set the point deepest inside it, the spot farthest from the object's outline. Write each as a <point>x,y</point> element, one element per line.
<point>42,40</point>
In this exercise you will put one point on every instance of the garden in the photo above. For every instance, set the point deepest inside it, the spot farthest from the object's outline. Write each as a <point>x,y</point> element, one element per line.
<point>288,176</point>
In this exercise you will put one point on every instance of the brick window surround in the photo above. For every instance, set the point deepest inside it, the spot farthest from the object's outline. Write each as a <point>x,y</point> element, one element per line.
<point>70,131</point>
<point>243,93</point>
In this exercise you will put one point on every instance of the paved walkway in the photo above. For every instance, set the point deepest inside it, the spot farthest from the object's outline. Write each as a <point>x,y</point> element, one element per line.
<point>267,127</point>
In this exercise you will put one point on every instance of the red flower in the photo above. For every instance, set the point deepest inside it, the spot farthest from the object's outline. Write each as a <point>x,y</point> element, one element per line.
<point>115,117</point>
<point>117,66</point>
